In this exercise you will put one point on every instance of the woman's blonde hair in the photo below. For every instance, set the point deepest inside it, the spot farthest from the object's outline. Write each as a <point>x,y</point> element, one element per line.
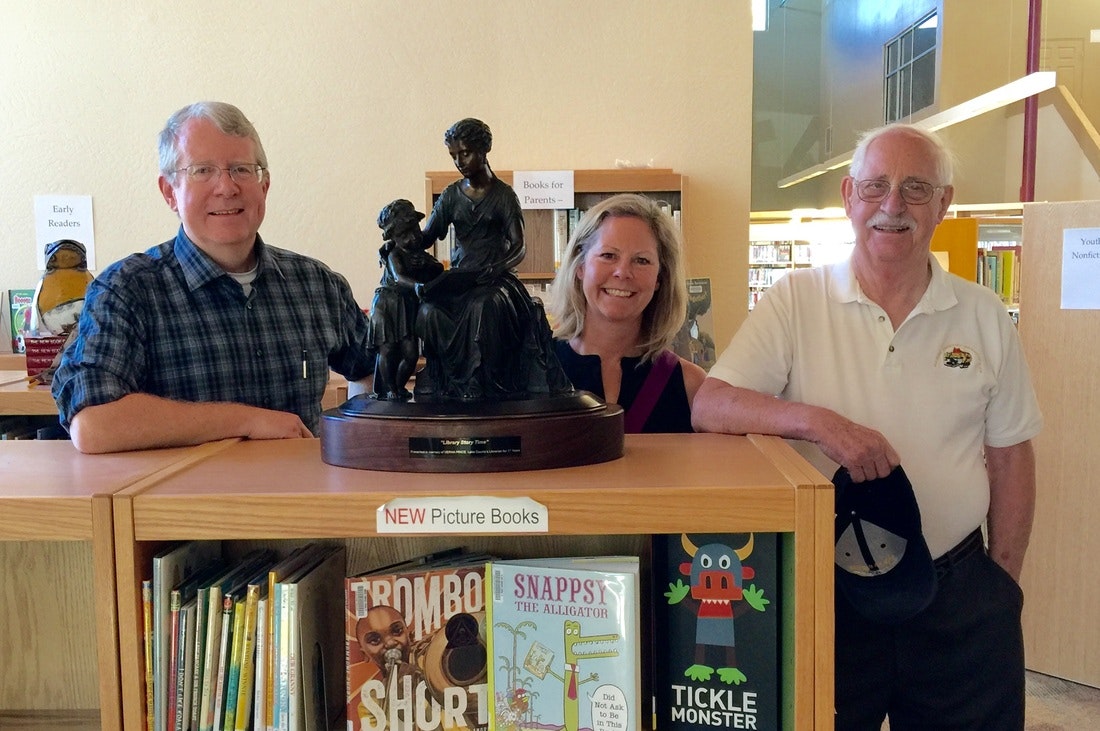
<point>665,313</point>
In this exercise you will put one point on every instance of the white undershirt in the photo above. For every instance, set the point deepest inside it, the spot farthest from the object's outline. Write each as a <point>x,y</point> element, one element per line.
<point>245,279</point>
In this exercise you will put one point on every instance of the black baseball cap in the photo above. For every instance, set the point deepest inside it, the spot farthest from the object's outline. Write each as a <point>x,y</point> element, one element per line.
<point>883,567</point>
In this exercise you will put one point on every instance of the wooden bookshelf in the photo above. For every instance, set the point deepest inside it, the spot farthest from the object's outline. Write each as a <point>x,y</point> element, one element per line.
<point>280,492</point>
<point>590,186</point>
<point>60,635</point>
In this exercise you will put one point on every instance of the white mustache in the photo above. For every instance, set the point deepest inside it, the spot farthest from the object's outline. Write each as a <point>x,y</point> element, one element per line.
<point>885,219</point>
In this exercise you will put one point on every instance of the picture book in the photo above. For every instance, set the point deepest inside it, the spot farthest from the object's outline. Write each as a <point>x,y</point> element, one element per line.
<point>185,668</point>
<point>695,341</point>
<point>415,647</point>
<point>259,707</point>
<point>315,604</point>
<point>289,564</point>
<point>235,659</point>
<point>716,645</point>
<point>229,585</point>
<point>222,661</point>
<point>19,309</point>
<point>564,644</point>
<point>231,657</point>
<point>247,664</point>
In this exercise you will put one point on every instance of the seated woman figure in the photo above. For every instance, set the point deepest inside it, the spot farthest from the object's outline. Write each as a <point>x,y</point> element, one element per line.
<point>618,300</point>
<point>484,336</point>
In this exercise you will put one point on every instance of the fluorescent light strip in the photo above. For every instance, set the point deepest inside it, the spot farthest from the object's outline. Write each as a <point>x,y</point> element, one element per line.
<point>1002,96</point>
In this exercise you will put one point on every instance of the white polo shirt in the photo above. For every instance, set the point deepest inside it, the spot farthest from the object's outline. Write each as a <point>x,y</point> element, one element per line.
<point>951,379</point>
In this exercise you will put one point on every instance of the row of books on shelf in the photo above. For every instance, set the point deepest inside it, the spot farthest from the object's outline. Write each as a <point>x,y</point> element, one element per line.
<point>999,269</point>
<point>40,350</point>
<point>230,645</point>
<point>455,640</point>
<point>780,252</point>
<point>563,223</point>
<point>764,277</point>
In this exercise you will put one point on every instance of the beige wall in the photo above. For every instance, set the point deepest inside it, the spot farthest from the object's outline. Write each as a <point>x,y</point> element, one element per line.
<point>1068,23</point>
<point>351,100</point>
<point>980,51</point>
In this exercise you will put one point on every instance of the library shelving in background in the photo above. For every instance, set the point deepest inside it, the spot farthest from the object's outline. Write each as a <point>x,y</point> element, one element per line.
<point>590,186</point>
<point>770,260</point>
<point>978,243</point>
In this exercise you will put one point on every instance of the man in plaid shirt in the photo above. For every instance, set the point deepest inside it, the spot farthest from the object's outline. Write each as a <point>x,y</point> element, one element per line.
<point>213,334</point>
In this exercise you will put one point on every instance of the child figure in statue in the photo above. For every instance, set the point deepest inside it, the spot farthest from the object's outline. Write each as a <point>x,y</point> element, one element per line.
<point>393,312</point>
<point>484,336</point>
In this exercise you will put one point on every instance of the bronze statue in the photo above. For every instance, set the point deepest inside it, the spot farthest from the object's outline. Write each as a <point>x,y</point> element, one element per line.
<point>492,395</point>
<point>484,336</point>
<point>405,266</point>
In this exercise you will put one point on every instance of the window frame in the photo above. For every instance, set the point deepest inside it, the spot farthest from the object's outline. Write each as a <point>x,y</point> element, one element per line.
<point>901,66</point>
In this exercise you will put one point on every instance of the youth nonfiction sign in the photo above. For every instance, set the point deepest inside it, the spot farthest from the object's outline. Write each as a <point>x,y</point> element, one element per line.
<point>1080,269</point>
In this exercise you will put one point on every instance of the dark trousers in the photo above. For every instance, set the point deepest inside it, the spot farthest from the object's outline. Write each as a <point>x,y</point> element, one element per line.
<point>959,664</point>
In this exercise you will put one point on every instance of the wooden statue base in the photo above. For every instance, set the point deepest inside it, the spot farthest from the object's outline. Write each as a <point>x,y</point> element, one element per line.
<point>500,436</point>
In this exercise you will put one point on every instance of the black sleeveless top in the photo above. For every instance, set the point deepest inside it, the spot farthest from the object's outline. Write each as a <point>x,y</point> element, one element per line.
<point>672,412</point>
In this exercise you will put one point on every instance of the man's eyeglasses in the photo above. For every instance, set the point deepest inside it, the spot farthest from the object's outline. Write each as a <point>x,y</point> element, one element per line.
<point>913,192</point>
<point>241,172</point>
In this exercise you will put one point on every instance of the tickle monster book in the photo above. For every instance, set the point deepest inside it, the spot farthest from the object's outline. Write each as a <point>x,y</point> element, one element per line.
<point>715,609</point>
<point>564,644</point>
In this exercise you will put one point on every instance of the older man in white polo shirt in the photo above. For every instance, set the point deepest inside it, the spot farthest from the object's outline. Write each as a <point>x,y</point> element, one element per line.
<point>885,359</point>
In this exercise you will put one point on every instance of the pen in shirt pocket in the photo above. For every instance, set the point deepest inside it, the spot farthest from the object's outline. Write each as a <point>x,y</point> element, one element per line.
<point>305,365</point>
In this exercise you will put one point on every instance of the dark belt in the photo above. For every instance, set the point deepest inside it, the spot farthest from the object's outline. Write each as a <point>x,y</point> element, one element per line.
<point>970,544</point>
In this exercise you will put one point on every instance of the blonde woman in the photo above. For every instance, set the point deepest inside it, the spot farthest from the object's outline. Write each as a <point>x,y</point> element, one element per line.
<point>617,302</point>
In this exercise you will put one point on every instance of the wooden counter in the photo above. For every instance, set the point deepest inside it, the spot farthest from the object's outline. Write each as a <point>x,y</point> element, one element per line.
<point>12,375</point>
<point>20,398</point>
<point>664,484</point>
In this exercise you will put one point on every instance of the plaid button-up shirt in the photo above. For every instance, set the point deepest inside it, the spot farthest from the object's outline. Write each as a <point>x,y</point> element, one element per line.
<point>170,322</point>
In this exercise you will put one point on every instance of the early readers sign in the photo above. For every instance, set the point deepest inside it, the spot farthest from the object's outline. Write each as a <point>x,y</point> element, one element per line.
<point>59,217</point>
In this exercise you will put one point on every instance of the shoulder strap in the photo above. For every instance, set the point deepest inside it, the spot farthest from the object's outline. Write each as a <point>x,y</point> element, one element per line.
<point>639,411</point>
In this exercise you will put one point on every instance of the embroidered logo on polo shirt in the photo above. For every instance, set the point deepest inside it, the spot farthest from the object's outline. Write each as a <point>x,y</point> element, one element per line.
<point>958,357</point>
